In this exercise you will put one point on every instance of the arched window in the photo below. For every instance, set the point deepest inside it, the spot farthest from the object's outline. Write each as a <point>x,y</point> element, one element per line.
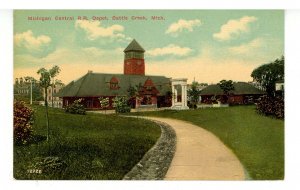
<point>114,83</point>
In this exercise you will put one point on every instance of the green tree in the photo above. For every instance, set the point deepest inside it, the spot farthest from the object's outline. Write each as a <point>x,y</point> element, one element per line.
<point>267,75</point>
<point>54,71</point>
<point>193,94</point>
<point>45,82</point>
<point>133,92</point>
<point>120,103</point>
<point>226,86</point>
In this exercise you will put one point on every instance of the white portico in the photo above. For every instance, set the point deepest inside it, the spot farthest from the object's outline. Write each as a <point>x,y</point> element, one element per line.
<point>182,85</point>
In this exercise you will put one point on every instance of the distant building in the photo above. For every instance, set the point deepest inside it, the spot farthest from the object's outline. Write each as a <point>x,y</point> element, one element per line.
<point>243,93</point>
<point>57,101</point>
<point>151,91</point>
<point>279,85</point>
<point>21,87</point>
<point>279,88</point>
<point>24,87</point>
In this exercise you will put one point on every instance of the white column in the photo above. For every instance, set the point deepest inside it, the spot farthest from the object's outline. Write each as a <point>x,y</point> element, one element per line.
<point>185,96</point>
<point>183,104</point>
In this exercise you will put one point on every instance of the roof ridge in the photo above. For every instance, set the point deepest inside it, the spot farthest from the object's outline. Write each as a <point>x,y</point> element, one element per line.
<point>84,78</point>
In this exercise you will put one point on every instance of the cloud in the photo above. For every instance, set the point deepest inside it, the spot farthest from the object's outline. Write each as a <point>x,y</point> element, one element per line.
<point>171,49</point>
<point>203,68</point>
<point>182,25</point>
<point>234,28</point>
<point>247,48</point>
<point>30,42</point>
<point>95,30</point>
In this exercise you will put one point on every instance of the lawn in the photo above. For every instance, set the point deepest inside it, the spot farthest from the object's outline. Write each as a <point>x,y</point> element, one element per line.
<point>87,148</point>
<point>258,141</point>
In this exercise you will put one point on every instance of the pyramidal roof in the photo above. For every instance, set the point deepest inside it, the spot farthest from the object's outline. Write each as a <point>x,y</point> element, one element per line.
<point>134,46</point>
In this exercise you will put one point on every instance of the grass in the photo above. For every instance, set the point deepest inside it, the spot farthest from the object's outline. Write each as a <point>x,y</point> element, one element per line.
<point>89,149</point>
<point>258,141</point>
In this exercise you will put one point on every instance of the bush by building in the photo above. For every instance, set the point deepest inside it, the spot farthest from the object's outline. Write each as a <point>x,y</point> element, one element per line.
<point>271,106</point>
<point>76,107</point>
<point>23,119</point>
<point>121,105</point>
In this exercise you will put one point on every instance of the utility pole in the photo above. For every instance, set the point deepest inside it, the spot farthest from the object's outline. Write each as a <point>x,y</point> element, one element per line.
<point>31,92</point>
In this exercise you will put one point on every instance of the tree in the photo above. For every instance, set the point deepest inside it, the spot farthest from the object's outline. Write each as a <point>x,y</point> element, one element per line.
<point>194,94</point>
<point>45,82</point>
<point>133,92</point>
<point>104,104</point>
<point>267,75</point>
<point>120,103</point>
<point>226,86</point>
<point>54,71</point>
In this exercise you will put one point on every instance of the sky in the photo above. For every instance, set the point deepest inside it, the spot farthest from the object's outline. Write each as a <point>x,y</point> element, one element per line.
<point>202,45</point>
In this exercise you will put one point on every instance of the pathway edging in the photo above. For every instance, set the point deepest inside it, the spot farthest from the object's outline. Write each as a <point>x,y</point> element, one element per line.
<point>155,163</point>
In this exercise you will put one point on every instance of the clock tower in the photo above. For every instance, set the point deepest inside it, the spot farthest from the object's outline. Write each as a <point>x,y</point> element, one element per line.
<point>134,63</point>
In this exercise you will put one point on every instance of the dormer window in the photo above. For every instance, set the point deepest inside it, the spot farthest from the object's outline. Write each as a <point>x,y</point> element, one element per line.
<point>114,83</point>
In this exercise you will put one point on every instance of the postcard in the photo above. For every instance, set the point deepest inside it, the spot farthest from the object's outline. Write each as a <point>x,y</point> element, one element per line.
<point>148,95</point>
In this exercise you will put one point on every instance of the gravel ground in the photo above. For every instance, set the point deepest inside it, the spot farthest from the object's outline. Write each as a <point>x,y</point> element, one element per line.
<point>155,163</point>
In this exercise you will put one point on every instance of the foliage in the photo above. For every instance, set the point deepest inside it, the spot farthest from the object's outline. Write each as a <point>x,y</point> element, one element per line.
<point>133,92</point>
<point>257,141</point>
<point>121,104</point>
<point>45,82</point>
<point>23,118</point>
<point>271,106</point>
<point>85,147</point>
<point>194,94</point>
<point>54,71</point>
<point>104,103</point>
<point>76,107</point>
<point>267,75</point>
<point>26,82</point>
<point>36,93</point>
<point>226,86</point>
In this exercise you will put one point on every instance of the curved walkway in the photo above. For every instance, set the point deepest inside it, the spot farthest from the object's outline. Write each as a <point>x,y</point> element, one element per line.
<point>200,155</point>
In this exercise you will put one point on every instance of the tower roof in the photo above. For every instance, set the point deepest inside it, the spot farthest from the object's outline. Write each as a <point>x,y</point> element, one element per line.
<point>134,46</point>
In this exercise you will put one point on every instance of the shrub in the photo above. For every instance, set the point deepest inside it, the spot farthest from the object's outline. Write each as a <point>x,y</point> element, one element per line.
<point>104,102</point>
<point>270,106</point>
<point>23,119</point>
<point>76,107</point>
<point>121,105</point>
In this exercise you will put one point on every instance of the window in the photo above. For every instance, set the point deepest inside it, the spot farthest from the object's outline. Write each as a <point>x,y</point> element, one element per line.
<point>114,83</point>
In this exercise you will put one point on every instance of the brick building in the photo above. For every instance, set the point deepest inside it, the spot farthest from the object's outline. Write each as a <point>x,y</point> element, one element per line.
<point>154,91</point>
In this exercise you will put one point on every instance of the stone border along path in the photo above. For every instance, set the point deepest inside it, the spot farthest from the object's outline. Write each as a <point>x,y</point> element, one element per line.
<point>155,163</point>
<point>200,155</point>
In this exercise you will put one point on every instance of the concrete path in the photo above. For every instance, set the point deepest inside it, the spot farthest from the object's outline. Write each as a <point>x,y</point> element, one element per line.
<point>200,155</point>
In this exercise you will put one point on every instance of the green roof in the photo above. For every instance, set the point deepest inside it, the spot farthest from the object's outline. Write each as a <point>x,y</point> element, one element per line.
<point>98,84</point>
<point>239,89</point>
<point>134,46</point>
